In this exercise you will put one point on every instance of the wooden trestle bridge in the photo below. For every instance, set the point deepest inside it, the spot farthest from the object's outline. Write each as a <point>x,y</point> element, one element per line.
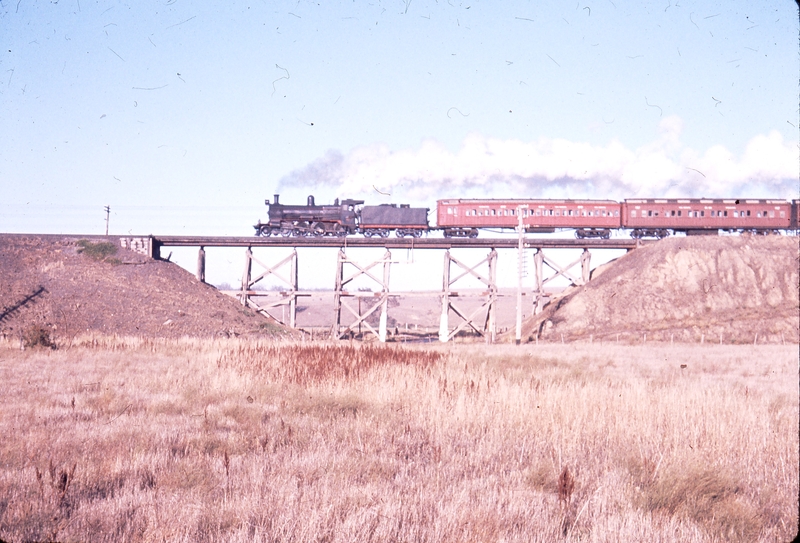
<point>485,271</point>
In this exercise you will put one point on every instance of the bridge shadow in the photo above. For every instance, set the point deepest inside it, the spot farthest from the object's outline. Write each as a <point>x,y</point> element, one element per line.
<point>8,312</point>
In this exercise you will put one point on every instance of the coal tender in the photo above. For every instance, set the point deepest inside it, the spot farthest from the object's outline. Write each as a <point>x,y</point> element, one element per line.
<point>405,220</point>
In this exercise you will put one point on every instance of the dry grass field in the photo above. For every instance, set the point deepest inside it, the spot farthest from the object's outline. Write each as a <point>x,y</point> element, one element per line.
<point>246,440</point>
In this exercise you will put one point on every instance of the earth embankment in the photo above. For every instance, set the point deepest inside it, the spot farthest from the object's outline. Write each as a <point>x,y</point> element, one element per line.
<point>72,286</point>
<point>734,289</point>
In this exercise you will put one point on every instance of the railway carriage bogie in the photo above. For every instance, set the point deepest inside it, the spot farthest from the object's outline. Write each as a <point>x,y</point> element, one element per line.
<point>596,233</point>
<point>374,233</point>
<point>657,233</point>
<point>461,233</point>
<point>408,232</point>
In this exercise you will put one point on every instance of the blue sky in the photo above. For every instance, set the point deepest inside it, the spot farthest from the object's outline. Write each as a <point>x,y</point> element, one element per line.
<point>184,117</point>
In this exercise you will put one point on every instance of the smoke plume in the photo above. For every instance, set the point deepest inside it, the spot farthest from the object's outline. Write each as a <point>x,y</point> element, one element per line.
<point>558,168</point>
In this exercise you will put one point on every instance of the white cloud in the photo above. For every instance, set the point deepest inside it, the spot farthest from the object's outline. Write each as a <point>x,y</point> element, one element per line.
<point>487,167</point>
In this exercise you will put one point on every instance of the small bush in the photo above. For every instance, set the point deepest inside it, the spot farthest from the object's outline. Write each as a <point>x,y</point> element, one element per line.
<point>100,251</point>
<point>37,335</point>
<point>713,498</point>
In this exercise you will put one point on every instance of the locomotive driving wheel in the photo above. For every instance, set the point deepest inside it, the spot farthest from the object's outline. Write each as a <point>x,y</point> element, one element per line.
<point>317,229</point>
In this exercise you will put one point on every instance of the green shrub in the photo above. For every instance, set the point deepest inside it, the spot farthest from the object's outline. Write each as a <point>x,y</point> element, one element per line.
<point>101,250</point>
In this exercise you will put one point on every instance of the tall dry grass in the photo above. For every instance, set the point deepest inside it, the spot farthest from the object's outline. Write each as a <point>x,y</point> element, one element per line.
<point>124,439</point>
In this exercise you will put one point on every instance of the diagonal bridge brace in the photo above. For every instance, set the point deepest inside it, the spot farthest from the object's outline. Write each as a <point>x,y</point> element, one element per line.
<point>489,330</point>
<point>339,329</point>
<point>290,296</point>
<point>540,260</point>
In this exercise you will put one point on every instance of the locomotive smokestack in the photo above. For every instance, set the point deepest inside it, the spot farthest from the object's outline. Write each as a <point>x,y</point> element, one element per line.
<point>276,199</point>
<point>311,199</point>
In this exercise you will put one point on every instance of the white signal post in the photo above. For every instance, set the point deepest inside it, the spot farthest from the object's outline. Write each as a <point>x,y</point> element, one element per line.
<point>520,255</point>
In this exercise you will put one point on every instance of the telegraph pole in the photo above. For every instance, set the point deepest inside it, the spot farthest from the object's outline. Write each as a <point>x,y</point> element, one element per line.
<point>108,211</point>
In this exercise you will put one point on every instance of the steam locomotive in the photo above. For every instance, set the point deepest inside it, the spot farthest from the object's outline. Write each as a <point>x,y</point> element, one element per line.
<point>342,219</point>
<point>644,218</point>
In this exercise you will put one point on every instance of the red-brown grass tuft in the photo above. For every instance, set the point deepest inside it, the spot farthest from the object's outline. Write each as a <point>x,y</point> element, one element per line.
<point>305,364</point>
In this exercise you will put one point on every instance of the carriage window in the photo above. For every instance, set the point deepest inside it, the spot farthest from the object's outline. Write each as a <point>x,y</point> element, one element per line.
<point>783,214</point>
<point>633,212</point>
<point>748,212</point>
<point>725,213</point>
<point>616,213</point>
<point>702,213</point>
<point>449,210</point>
<point>772,214</point>
<point>679,213</point>
<point>735,213</point>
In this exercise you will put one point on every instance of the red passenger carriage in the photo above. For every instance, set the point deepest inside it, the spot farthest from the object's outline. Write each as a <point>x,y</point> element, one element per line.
<point>655,217</point>
<point>590,218</point>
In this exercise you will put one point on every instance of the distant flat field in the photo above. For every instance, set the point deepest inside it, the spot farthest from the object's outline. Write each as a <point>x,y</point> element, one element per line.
<point>114,439</point>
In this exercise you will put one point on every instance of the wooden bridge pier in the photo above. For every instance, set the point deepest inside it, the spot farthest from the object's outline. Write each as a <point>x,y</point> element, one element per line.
<point>201,264</point>
<point>289,297</point>
<point>489,328</point>
<point>540,260</point>
<point>381,299</point>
